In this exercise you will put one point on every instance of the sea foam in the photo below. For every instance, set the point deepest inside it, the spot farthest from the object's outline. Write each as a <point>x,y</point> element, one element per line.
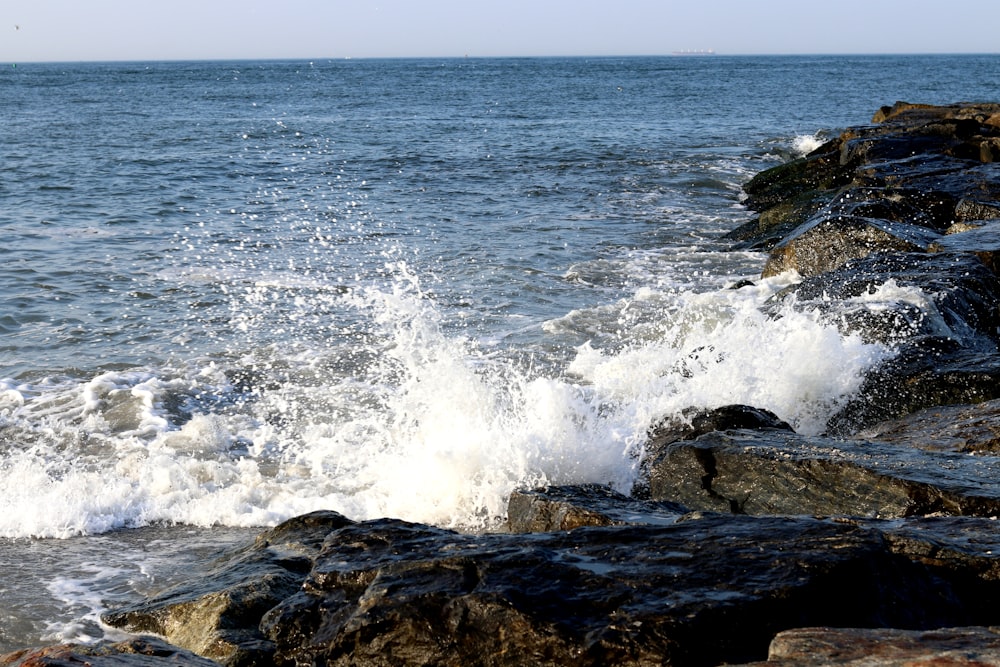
<point>415,419</point>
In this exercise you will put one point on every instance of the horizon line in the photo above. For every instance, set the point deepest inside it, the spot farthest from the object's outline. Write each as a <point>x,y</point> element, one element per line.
<point>698,54</point>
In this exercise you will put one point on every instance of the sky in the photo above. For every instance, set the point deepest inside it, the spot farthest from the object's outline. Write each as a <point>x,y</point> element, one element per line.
<point>89,30</point>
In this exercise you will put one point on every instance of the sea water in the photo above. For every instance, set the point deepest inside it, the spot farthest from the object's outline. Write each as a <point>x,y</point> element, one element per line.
<point>233,292</point>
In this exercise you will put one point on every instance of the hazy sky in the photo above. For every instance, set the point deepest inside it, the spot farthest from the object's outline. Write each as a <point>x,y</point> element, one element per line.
<point>45,30</point>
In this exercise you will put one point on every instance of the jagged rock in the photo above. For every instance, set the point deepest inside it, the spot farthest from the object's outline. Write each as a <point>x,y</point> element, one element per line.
<point>217,616</point>
<point>864,647</point>
<point>913,207</point>
<point>944,337</point>
<point>916,380</point>
<point>139,652</point>
<point>568,507</point>
<point>699,592</point>
<point>930,159</point>
<point>819,171</point>
<point>775,472</point>
<point>909,113</point>
<point>775,223</point>
<point>827,242</point>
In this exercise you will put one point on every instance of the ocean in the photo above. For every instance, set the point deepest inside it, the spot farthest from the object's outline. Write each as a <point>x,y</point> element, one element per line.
<point>234,292</point>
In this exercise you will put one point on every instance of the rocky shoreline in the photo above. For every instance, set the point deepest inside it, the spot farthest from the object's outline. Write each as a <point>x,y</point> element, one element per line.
<point>875,543</point>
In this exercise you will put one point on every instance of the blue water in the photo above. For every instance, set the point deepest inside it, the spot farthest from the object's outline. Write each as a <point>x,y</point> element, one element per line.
<point>231,292</point>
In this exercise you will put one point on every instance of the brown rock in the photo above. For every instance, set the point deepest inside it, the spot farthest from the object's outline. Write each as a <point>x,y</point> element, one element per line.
<point>139,652</point>
<point>952,647</point>
<point>217,616</point>
<point>569,507</point>
<point>828,242</point>
<point>775,472</point>
<point>956,428</point>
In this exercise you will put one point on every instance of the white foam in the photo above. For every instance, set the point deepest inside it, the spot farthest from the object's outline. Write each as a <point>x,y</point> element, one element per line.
<point>806,143</point>
<point>721,349</point>
<point>408,419</point>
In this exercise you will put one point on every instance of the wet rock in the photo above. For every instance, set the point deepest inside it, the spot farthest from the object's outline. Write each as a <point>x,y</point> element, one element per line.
<point>388,592</point>
<point>931,160</point>
<point>820,171</point>
<point>569,507</point>
<point>827,242</point>
<point>216,616</point>
<point>956,300</point>
<point>970,210</point>
<point>928,373</point>
<point>982,241</point>
<point>774,472</point>
<point>863,647</point>
<point>972,429</point>
<point>943,334</point>
<point>694,422</point>
<point>775,223</point>
<point>139,652</point>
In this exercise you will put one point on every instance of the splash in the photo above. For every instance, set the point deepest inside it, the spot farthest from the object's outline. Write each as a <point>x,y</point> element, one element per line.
<point>407,416</point>
<point>718,348</point>
<point>806,143</point>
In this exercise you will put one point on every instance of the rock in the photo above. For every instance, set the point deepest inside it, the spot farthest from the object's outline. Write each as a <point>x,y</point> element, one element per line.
<point>820,171</point>
<point>827,242</point>
<point>982,241</point>
<point>971,429</point>
<point>775,472</point>
<point>862,647</point>
<point>694,422</point>
<point>930,159</point>
<point>928,373</point>
<point>943,337</point>
<point>139,652</point>
<point>698,592</point>
<point>970,210</point>
<point>569,507</point>
<point>776,222</point>
<point>217,615</point>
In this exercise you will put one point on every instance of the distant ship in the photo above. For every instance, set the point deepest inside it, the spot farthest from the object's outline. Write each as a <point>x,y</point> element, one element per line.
<point>696,52</point>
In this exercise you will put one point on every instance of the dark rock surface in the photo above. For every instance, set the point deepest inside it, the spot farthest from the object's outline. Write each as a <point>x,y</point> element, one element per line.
<point>741,534</point>
<point>389,592</point>
<point>971,429</point>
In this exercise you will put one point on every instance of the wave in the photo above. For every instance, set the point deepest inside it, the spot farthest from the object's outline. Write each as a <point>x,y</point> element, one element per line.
<point>407,418</point>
